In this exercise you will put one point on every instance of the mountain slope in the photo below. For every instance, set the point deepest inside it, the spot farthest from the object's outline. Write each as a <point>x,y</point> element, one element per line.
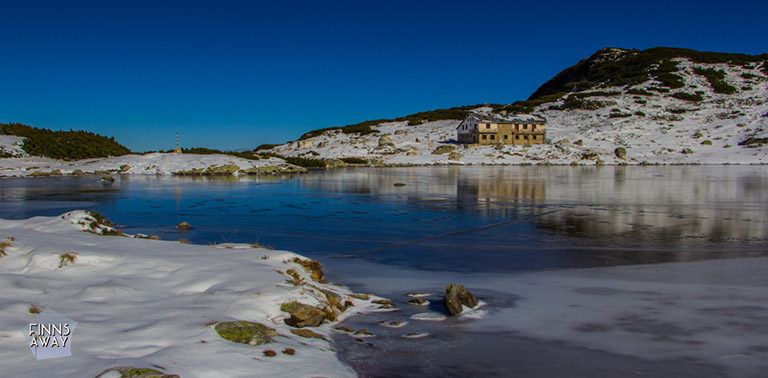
<point>666,106</point>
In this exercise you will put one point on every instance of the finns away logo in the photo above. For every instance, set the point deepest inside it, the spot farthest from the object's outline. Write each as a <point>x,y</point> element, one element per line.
<point>50,335</point>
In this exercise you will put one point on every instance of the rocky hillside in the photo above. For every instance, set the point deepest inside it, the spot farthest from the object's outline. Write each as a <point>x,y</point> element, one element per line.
<point>619,106</point>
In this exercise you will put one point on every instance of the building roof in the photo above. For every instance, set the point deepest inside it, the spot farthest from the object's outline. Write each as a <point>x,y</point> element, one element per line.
<point>511,118</point>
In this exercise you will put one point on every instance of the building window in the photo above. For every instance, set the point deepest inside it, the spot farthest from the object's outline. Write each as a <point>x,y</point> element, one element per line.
<point>493,137</point>
<point>506,136</point>
<point>487,125</point>
<point>517,137</point>
<point>485,137</point>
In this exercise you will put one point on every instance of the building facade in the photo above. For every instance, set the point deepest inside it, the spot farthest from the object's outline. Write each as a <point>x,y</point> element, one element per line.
<point>488,128</point>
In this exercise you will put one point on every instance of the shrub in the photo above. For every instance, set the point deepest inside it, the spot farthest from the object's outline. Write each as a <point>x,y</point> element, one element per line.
<point>354,160</point>
<point>305,162</point>
<point>693,97</point>
<point>716,79</point>
<point>633,67</point>
<point>69,145</point>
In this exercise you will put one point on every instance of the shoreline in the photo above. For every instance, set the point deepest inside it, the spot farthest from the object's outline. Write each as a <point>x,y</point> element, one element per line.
<point>155,304</point>
<point>26,168</point>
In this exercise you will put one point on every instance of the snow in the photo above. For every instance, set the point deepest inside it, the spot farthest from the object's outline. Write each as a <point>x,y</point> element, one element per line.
<point>146,303</point>
<point>148,164</point>
<point>650,134</point>
<point>10,144</point>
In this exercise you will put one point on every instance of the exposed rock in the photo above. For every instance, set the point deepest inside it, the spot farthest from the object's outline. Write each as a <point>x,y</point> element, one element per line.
<point>245,332</point>
<point>363,297</point>
<point>444,149</point>
<point>399,184</point>
<point>453,155</point>
<point>383,302</point>
<point>590,155</point>
<point>289,351</point>
<point>364,333</point>
<point>134,372</point>
<point>269,353</point>
<point>183,226</point>
<point>335,300</point>
<point>419,301</point>
<point>385,141</point>
<point>456,296</point>
<point>303,315</point>
<point>401,132</point>
<point>314,268</point>
<point>307,333</point>
<point>344,329</point>
<point>107,179</point>
<point>620,153</point>
<point>393,324</point>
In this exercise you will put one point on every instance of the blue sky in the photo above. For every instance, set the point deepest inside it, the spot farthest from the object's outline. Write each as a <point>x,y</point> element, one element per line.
<point>233,75</point>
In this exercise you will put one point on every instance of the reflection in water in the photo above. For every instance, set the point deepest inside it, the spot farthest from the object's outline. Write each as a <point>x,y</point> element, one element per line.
<point>660,205</point>
<point>447,218</point>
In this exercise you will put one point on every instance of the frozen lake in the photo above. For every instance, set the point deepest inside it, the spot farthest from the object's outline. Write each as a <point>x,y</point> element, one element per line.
<point>584,271</point>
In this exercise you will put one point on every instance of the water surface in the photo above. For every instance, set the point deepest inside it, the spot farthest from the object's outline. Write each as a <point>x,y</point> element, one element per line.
<point>487,227</point>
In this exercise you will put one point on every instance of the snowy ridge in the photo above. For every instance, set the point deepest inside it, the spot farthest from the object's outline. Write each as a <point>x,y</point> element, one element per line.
<point>147,303</point>
<point>653,127</point>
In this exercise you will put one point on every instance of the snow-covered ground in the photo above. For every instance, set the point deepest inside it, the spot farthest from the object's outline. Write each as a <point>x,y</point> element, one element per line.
<point>11,145</point>
<point>652,129</point>
<point>152,304</point>
<point>148,164</point>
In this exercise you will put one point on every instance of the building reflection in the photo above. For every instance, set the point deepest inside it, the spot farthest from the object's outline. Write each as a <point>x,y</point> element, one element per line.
<point>664,205</point>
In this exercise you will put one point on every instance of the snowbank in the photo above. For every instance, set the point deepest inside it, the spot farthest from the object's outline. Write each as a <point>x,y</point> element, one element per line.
<point>148,164</point>
<point>153,304</point>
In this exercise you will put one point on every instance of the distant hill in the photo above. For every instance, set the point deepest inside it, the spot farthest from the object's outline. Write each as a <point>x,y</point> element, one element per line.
<point>663,105</point>
<point>612,67</point>
<point>69,145</point>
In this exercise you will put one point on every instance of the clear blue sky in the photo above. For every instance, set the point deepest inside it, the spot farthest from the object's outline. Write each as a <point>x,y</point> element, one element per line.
<point>235,74</point>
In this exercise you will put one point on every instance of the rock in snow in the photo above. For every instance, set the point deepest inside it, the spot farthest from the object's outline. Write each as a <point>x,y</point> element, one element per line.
<point>457,296</point>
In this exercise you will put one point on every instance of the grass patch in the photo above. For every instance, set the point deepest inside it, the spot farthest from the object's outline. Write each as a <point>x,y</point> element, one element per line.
<point>314,268</point>
<point>296,278</point>
<point>245,332</point>
<point>67,258</point>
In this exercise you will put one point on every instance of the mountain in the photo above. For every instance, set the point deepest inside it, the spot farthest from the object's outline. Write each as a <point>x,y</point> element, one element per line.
<point>69,145</point>
<point>661,105</point>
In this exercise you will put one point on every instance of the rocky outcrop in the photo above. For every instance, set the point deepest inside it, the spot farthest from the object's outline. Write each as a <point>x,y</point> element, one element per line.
<point>621,153</point>
<point>457,296</point>
<point>303,315</point>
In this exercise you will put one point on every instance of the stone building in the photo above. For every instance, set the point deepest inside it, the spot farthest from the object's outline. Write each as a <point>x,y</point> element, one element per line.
<point>490,128</point>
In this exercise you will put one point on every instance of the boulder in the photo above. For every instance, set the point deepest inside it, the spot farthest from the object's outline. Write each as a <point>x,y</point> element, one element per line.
<point>134,372</point>
<point>385,141</point>
<point>307,333</point>
<point>303,315</point>
<point>184,226</point>
<point>444,149</point>
<point>620,153</point>
<point>457,296</point>
<point>245,332</point>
